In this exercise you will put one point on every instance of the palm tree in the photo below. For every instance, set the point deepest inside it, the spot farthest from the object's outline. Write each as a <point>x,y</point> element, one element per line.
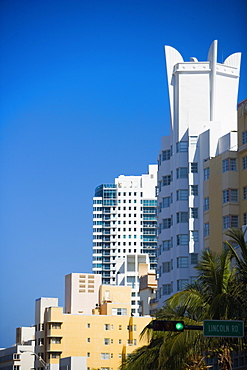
<point>241,258</point>
<point>214,295</point>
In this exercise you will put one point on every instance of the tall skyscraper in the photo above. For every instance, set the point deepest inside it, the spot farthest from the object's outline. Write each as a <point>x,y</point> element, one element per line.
<point>203,107</point>
<point>124,230</point>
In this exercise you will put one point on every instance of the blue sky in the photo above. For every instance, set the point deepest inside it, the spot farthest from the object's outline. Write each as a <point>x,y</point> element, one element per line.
<point>83,99</point>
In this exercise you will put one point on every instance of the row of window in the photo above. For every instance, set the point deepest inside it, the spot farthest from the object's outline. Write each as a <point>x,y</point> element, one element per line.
<point>182,262</point>
<point>181,146</point>
<point>228,164</point>
<point>108,341</point>
<point>181,173</point>
<point>167,289</point>
<point>228,222</point>
<point>228,195</point>
<point>182,239</point>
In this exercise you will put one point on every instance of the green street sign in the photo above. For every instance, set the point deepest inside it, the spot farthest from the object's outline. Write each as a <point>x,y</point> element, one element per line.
<point>223,328</point>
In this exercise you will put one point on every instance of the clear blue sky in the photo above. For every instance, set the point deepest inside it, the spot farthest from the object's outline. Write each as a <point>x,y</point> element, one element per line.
<point>83,99</point>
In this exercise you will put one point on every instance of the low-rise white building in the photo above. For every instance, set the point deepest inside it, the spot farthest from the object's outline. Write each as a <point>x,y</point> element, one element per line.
<point>21,355</point>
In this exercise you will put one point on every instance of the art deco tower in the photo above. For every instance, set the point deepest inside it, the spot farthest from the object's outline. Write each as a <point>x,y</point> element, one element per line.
<point>203,109</point>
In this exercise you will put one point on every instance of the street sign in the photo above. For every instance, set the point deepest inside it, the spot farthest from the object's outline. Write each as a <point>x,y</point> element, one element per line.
<point>223,328</point>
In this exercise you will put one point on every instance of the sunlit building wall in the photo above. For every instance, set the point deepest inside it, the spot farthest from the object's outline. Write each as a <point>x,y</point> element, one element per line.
<point>101,340</point>
<point>203,107</point>
<point>124,230</point>
<point>225,189</point>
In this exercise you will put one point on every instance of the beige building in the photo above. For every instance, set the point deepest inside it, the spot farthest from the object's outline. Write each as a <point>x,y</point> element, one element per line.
<point>81,292</point>
<point>225,188</point>
<point>103,338</point>
<point>147,291</point>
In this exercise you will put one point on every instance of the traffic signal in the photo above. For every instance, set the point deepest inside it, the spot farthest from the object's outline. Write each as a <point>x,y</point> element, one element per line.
<point>163,325</point>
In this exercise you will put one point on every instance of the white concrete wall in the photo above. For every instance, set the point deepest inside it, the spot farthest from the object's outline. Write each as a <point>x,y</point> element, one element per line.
<point>40,305</point>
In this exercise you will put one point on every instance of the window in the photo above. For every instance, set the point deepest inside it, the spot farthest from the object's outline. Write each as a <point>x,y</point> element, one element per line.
<point>244,137</point>
<point>244,163</point>
<point>230,195</point>
<point>181,284</point>
<point>206,204</point>
<point>166,266</point>
<point>229,164</point>
<point>245,218</point>
<point>182,146</point>
<point>88,354</point>
<point>182,194</point>
<point>182,217</point>
<point>182,173</point>
<point>167,223</point>
<point>160,207</point>
<point>166,289</point>
<point>88,340</point>
<point>194,258</point>
<point>105,356</point>
<point>245,192</point>
<point>56,325</point>
<point>107,326</point>
<point>166,202</point>
<point>182,239</point>
<point>166,180</point>
<point>206,229</point>
<point>55,340</point>
<point>194,212</point>
<point>182,262</point>
<point>230,221</point>
<point>88,325</point>
<point>54,355</point>
<point>194,235</point>
<point>106,341</point>
<point>226,222</point>
<point>225,196</point>
<point>206,173</point>
<point>119,341</point>
<point>119,311</point>
<point>194,167</point>
<point>194,189</point>
<point>166,245</point>
<point>166,155</point>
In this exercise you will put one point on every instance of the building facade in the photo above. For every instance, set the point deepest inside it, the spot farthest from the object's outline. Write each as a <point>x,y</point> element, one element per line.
<point>124,230</point>
<point>225,188</point>
<point>100,340</point>
<point>203,106</point>
<point>21,354</point>
<point>81,292</point>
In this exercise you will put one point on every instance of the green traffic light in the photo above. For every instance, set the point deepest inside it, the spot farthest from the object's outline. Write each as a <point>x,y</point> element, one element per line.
<point>179,326</point>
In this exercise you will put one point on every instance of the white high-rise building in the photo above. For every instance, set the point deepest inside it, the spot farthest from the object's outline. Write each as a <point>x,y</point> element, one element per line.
<point>124,230</point>
<point>203,107</point>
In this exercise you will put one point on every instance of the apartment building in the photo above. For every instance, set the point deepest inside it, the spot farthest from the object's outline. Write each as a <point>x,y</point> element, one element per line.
<point>21,354</point>
<point>124,230</point>
<point>100,340</point>
<point>203,106</point>
<point>225,188</point>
